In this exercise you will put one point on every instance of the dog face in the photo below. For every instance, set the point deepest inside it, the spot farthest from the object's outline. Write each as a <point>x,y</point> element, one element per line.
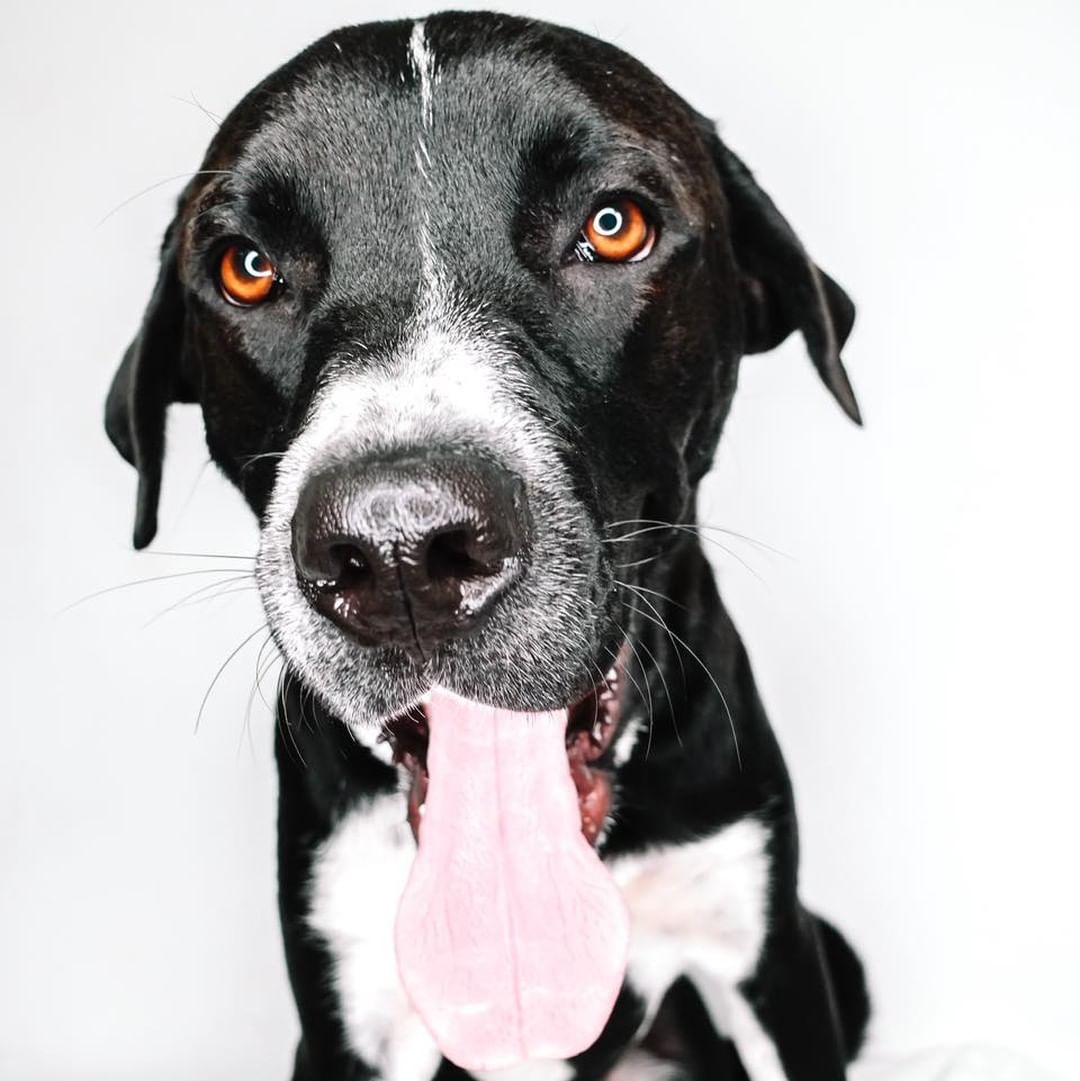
<point>461,302</point>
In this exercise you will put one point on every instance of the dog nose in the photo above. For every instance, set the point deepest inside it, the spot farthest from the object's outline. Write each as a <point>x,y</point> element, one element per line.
<point>411,552</point>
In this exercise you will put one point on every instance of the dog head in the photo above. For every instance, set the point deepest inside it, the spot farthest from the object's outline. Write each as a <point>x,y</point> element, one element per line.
<point>459,300</point>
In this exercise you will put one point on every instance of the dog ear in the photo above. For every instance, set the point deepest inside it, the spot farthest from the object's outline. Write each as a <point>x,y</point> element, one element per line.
<point>782,288</point>
<point>148,380</point>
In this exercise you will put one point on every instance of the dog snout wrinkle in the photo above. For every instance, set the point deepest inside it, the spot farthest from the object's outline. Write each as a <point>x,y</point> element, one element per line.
<point>410,552</point>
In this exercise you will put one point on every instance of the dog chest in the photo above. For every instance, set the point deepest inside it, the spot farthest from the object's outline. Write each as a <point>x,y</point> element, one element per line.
<point>700,905</point>
<point>693,907</point>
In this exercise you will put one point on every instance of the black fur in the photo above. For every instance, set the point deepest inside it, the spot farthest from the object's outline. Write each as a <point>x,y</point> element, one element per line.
<point>633,368</point>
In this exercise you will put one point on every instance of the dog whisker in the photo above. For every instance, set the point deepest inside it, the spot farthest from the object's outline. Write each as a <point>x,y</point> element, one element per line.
<point>225,664</point>
<point>662,623</point>
<point>189,498</point>
<point>195,103</point>
<point>284,724</point>
<point>678,657</point>
<point>262,667</point>
<point>654,592</point>
<point>646,699</point>
<point>638,562</point>
<point>144,581</point>
<point>629,675</point>
<point>198,555</point>
<point>596,698</point>
<point>252,459</point>
<point>687,529</point>
<point>654,524</point>
<point>645,676</point>
<point>265,671</point>
<point>712,679</point>
<point>245,729</point>
<point>601,678</point>
<point>206,593</point>
<point>304,719</point>
<point>667,692</point>
<point>159,184</point>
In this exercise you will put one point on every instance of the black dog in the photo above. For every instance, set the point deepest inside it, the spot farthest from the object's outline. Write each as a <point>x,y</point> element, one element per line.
<point>463,302</point>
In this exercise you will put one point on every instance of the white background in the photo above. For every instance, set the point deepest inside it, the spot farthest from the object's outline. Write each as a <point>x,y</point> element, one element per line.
<point>916,642</point>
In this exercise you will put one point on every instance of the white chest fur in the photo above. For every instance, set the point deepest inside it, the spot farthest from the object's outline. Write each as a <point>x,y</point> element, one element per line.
<point>360,873</point>
<point>698,909</point>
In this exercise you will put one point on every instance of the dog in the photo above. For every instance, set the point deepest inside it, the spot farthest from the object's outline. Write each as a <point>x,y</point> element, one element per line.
<point>463,301</point>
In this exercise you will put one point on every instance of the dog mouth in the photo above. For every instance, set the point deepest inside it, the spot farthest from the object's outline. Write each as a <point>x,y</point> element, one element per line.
<point>591,726</point>
<point>511,935</point>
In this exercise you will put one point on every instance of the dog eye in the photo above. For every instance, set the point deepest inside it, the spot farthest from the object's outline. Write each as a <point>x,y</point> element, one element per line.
<point>619,231</point>
<point>246,276</point>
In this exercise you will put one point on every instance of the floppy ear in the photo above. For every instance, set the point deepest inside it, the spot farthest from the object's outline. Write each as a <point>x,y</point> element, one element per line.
<point>148,379</point>
<point>782,288</point>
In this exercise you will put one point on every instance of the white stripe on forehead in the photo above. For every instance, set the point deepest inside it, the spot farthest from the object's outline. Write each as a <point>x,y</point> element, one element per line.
<point>423,62</point>
<point>434,293</point>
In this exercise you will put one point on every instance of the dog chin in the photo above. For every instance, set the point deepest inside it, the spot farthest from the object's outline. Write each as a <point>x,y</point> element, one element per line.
<point>374,687</point>
<point>372,703</point>
<point>368,692</point>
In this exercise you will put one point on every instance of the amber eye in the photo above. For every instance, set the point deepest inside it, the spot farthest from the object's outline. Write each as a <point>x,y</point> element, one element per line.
<point>247,277</point>
<point>617,232</point>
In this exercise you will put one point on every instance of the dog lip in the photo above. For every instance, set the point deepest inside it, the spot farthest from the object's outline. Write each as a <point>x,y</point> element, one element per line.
<point>592,720</point>
<point>586,714</point>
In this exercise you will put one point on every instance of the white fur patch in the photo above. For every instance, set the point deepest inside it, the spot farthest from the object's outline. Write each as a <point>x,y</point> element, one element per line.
<point>702,903</point>
<point>372,738</point>
<point>423,64</point>
<point>757,1052</point>
<point>641,1066</point>
<point>627,741</point>
<point>360,873</point>
<point>446,384</point>
<point>701,910</point>
<point>551,1070</point>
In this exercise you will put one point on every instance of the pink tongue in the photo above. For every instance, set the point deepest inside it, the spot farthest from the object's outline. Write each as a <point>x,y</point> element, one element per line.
<point>511,937</point>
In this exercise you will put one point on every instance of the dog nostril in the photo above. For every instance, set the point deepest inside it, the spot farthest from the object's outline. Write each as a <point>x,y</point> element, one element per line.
<point>412,553</point>
<point>349,569</point>
<point>456,554</point>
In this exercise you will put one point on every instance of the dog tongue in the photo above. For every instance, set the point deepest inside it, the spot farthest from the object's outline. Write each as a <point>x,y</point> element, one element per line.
<point>511,937</point>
